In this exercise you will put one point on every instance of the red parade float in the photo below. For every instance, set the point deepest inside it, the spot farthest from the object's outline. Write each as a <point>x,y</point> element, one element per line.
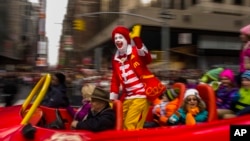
<point>23,122</point>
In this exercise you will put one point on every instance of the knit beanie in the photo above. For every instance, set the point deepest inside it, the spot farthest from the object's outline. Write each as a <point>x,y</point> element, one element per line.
<point>245,30</point>
<point>246,74</point>
<point>214,73</point>
<point>60,77</point>
<point>172,93</point>
<point>121,30</point>
<point>193,92</point>
<point>228,73</point>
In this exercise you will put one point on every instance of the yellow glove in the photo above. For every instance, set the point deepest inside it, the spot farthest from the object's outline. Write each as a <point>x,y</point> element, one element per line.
<point>136,31</point>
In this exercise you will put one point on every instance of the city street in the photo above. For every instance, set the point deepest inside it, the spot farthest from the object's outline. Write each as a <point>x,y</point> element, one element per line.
<point>74,95</point>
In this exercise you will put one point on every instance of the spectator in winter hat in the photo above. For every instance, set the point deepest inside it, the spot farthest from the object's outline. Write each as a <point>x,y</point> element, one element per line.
<point>246,75</point>
<point>56,96</point>
<point>227,73</point>
<point>101,116</point>
<point>244,59</point>
<point>10,88</point>
<point>245,30</point>
<point>192,111</point>
<point>242,105</point>
<point>211,75</point>
<point>226,94</point>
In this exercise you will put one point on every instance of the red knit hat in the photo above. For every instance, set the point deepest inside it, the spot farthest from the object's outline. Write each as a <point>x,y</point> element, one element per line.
<point>121,30</point>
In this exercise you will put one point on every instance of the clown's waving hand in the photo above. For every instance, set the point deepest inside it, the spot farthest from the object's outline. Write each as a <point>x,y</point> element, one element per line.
<point>139,85</point>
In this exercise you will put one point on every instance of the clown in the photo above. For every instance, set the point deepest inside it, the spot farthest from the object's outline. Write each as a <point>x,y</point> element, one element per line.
<point>129,70</point>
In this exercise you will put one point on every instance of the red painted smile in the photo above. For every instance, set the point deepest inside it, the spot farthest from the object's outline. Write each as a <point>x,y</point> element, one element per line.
<point>119,44</point>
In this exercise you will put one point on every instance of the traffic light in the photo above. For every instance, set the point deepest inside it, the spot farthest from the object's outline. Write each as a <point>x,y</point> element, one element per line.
<point>79,24</point>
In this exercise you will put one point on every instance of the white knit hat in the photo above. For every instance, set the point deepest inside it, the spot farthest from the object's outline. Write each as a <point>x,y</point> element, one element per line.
<point>193,92</point>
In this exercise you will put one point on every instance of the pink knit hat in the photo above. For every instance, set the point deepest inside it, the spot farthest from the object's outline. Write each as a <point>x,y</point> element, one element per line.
<point>245,30</point>
<point>228,73</point>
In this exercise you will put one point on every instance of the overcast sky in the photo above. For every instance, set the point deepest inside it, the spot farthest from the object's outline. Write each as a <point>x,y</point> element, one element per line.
<point>55,11</point>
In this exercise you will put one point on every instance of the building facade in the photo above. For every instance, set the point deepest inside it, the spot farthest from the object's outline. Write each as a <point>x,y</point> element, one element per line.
<point>185,33</point>
<point>18,33</point>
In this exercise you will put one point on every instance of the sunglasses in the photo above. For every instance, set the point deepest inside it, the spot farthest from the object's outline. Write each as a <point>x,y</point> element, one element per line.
<point>191,99</point>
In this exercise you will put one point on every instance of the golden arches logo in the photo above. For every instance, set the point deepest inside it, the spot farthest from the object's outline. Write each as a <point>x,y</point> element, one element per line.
<point>136,64</point>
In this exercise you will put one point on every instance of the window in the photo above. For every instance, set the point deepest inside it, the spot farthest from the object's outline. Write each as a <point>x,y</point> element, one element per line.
<point>238,2</point>
<point>183,5</point>
<point>194,2</point>
<point>218,1</point>
<point>171,4</point>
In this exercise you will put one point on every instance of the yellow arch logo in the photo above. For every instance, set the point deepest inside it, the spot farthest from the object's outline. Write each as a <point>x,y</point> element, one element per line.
<point>136,64</point>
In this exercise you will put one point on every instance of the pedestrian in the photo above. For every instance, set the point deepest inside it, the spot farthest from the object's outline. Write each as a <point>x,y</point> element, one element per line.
<point>244,59</point>
<point>10,88</point>
<point>130,71</point>
<point>56,96</point>
<point>101,116</point>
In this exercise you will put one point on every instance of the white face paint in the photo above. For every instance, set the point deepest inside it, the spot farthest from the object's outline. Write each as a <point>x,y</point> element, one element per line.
<point>121,43</point>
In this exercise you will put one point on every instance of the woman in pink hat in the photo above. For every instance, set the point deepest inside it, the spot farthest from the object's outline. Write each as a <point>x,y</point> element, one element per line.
<point>245,52</point>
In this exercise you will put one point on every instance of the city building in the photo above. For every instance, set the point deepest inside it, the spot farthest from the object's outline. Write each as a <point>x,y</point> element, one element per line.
<point>18,34</point>
<point>184,34</point>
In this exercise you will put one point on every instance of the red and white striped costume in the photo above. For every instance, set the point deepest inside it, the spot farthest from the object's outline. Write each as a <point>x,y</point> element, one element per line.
<point>124,74</point>
<point>129,66</point>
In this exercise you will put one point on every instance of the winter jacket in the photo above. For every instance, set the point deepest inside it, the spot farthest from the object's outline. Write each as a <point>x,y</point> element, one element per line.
<point>226,97</point>
<point>56,97</point>
<point>163,113</point>
<point>103,120</point>
<point>244,99</point>
<point>245,53</point>
<point>200,117</point>
<point>81,112</point>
